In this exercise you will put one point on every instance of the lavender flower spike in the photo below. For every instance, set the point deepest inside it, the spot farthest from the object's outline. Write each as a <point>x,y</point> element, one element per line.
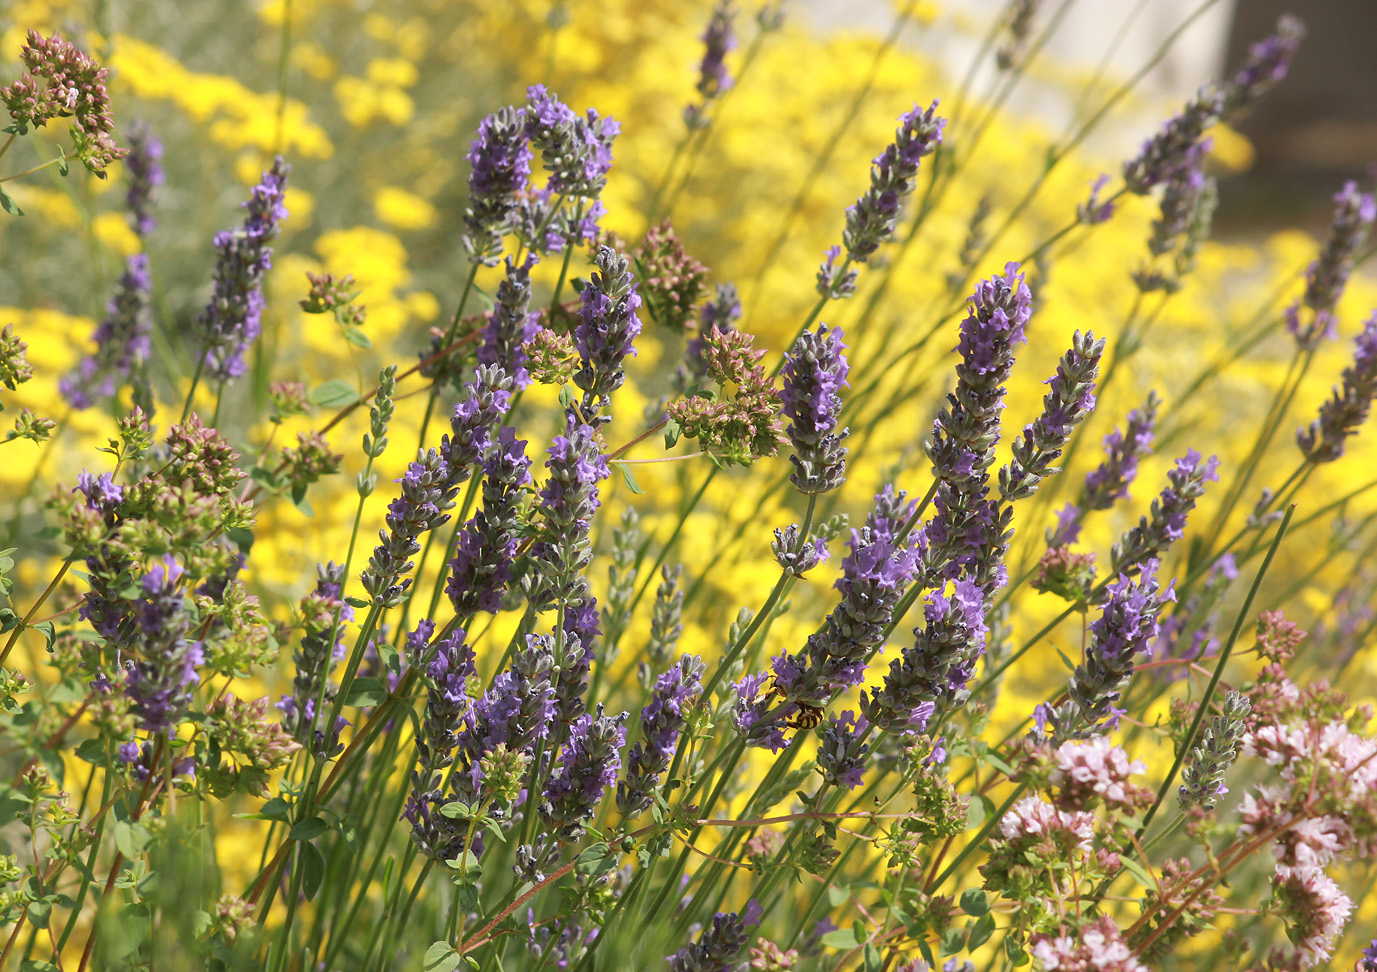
<point>662,721</point>
<point>1127,625</point>
<point>577,151</point>
<point>814,373</point>
<point>501,170</point>
<point>448,666</point>
<point>1070,399</point>
<point>719,944</point>
<point>160,683</point>
<point>144,164</point>
<point>1177,145</point>
<point>871,221</point>
<point>481,568</point>
<point>568,501</point>
<point>1109,482</point>
<point>1268,61</point>
<point>1348,408</point>
<point>714,80</point>
<point>605,334</point>
<point>841,755</point>
<point>588,766</point>
<point>1327,277</point>
<point>1202,779</point>
<point>511,324</point>
<point>123,342</point>
<point>1167,521</point>
<point>323,613</point>
<point>232,320</point>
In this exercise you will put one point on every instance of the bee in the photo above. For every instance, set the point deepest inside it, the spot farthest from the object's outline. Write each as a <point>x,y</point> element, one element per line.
<point>807,717</point>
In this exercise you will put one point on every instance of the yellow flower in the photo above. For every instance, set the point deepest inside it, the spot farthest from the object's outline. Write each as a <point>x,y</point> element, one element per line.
<point>402,209</point>
<point>113,230</point>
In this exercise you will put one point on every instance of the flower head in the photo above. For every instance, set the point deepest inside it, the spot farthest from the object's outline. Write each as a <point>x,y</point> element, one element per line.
<point>814,374</point>
<point>1348,407</point>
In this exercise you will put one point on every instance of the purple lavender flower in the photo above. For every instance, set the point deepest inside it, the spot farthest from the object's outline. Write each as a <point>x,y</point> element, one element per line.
<point>1070,399</point>
<point>1093,211</point>
<point>1178,145</point>
<point>548,226</point>
<point>1193,620</point>
<point>500,161</point>
<point>720,943</point>
<point>324,613</point>
<point>431,483</point>
<point>588,766</point>
<point>232,320</point>
<point>1126,626</point>
<point>568,501</point>
<point>662,721</point>
<point>871,221</point>
<point>793,558</point>
<point>606,333</point>
<point>1167,521</point>
<point>938,667</point>
<point>578,639</point>
<point>1328,276</point>
<point>1108,482</point>
<point>836,282</point>
<point>448,665</point>
<point>161,681</point>
<point>481,568</point>
<point>1268,61</point>
<point>714,80</point>
<point>123,342</point>
<point>511,324</point>
<point>144,164</point>
<point>841,755</point>
<point>814,374</point>
<point>751,714</point>
<point>577,151</point>
<point>1348,407</point>
<point>969,531</point>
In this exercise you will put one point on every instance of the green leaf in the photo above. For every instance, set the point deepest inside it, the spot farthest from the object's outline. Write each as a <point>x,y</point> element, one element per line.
<point>312,870</point>
<point>131,838</point>
<point>566,397</point>
<point>8,204</point>
<point>1137,870</point>
<point>357,602</point>
<point>1012,948</point>
<point>672,432</point>
<point>872,958</point>
<point>838,895</point>
<point>91,751</point>
<point>366,692</point>
<point>973,902</point>
<point>629,478</point>
<point>441,957</point>
<point>981,931</point>
<point>999,764</point>
<point>841,938</point>
<point>335,393</point>
<point>597,860</point>
<point>309,829</point>
<point>357,338</point>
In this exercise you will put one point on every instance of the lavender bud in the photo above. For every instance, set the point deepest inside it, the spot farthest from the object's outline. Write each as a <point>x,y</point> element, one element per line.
<point>160,683</point>
<point>501,169</point>
<point>1202,779</point>
<point>621,583</point>
<point>814,373</point>
<point>1177,145</point>
<point>568,501</point>
<point>1185,188</point>
<point>719,944</point>
<point>871,221</point>
<point>667,617</point>
<point>144,165</point>
<point>1070,399</point>
<point>588,766</point>
<point>232,319</point>
<point>662,721</point>
<point>795,559</point>
<point>1348,407</point>
<point>1167,522</point>
<point>1328,276</point>
<point>1267,63</point>
<point>713,78</point>
<point>1126,626</point>
<point>323,615</point>
<point>606,331</point>
<point>841,755</point>
<point>577,151</point>
<point>123,342</point>
<point>836,282</point>
<point>448,665</point>
<point>480,570</point>
<point>938,666</point>
<point>511,324</point>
